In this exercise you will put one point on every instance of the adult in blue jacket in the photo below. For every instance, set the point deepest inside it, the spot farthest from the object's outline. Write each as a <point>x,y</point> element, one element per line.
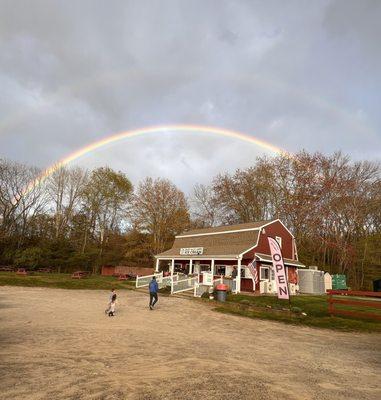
<point>153,288</point>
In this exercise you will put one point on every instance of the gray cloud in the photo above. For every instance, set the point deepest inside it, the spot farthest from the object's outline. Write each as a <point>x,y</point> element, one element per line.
<point>295,75</point>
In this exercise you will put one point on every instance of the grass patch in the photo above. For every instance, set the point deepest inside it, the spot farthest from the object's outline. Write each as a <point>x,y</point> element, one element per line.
<point>315,307</point>
<point>63,281</point>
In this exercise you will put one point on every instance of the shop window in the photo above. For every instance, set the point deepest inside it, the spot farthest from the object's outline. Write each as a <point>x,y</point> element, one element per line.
<point>264,273</point>
<point>204,267</point>
<point>220,269</point>
<point>179,267</point>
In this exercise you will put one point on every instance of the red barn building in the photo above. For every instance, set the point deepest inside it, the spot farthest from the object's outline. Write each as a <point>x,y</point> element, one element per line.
<point>217,250</point>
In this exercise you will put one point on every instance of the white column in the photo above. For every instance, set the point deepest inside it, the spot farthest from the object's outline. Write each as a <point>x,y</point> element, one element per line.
<point>190,267</point>
<point>239,275</point>
<point>212,267</point>
<point>172,266</point>
<point>157,265</point>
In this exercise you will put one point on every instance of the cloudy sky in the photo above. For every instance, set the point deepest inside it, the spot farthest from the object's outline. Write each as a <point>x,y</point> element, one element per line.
<point>299,74</point>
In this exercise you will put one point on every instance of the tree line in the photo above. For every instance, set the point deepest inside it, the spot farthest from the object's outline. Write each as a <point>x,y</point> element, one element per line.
<point>84,219</point>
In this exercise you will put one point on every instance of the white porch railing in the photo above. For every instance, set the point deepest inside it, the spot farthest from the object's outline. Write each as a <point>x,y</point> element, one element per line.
<point>231,284</point>
<point>180,282</point>
<point>144,280</point>
<point>200,289</point>
<point>234,288</point>
<point>164,282</point>
<point>218,281</point>
<point>183,285</point>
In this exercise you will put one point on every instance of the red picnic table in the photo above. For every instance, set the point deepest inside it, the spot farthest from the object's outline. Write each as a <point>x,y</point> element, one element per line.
<point>80,274</point>
<point>22,271</point>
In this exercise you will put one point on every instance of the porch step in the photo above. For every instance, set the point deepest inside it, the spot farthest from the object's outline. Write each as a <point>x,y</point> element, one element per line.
<point>189,294</point>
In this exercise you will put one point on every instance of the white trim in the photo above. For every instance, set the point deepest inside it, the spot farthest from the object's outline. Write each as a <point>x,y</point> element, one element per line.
<point>157,265</point>
<point>217,233</point>
<point>253,247</point>
<point>236,230</point>
<point>284,260</point>
<point>261,268</point>
<point>238,279</point>
<point>284,226</point>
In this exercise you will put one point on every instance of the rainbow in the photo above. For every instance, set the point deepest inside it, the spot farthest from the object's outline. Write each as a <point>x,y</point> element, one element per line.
<point>143,131</point>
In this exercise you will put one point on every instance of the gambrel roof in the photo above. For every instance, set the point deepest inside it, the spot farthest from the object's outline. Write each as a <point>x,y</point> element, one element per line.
<point>222,241</point>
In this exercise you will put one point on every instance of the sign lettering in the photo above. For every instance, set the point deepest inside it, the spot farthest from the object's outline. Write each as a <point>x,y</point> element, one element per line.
<point>279,269</point>
<point>187,251</point>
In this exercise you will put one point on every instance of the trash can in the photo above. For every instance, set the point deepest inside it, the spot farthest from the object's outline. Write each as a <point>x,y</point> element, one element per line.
<point>339,282</point>
<point>221,292</point>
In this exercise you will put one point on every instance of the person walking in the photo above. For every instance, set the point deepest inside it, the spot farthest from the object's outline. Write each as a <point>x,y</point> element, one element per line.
<point>111,310</point>
<point>112,299</point>
<point>153,288</point>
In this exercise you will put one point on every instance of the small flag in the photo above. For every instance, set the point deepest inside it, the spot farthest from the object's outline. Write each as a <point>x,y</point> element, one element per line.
<point>253,269</point>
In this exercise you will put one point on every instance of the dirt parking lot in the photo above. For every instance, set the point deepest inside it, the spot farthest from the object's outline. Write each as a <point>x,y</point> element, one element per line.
<point>58,344</point>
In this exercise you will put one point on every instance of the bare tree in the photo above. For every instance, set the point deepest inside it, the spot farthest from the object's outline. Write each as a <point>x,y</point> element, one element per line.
<point>65,188</point>
<point>105,201</point>
<point>20,199</point>
<point>161,210</point>
<point>205,208</point>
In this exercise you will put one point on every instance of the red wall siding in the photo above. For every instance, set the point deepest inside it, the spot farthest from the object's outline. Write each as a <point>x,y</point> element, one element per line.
<point>246,285</point>
<point>272,230</point>
<point>108,270</point>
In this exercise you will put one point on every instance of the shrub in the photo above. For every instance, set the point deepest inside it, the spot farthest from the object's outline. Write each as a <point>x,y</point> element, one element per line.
<point>165,290</point>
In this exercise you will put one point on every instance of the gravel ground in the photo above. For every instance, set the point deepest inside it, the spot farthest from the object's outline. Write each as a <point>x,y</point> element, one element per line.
<point>58,344</point>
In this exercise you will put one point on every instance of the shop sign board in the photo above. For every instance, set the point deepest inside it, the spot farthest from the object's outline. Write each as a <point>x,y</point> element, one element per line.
<point>191,251</point>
